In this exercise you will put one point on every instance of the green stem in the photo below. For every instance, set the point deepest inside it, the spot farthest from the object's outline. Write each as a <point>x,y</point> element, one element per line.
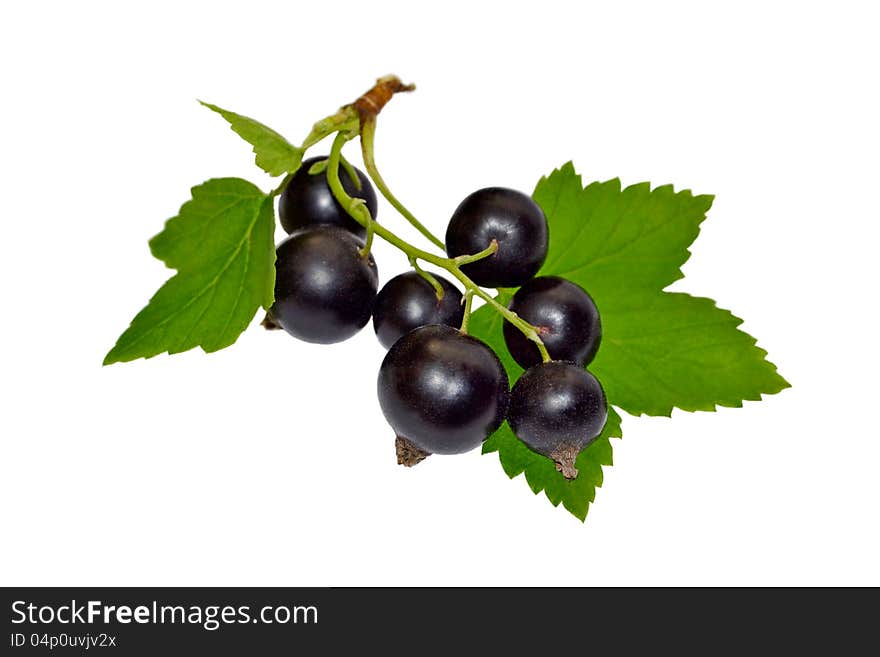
<point>352,173</point>
<point>368,132</point>
<point>284,182</point>
<point>428,276</point>
<point>485,253</point>
<point>468,302</point>
<point>359,212</point>
<point>345,120</point>
<point>368,243</point>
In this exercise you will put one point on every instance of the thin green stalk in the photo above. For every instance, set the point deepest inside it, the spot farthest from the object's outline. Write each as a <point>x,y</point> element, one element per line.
<point>368,131</point>
<point>282,185</point>
<point>352,173</point>
<point>345,120</point>
<point>368,242</point>
<point>485,253</point>
<point>428,276</point>
<point>359,212</point>
<point>468,302</point>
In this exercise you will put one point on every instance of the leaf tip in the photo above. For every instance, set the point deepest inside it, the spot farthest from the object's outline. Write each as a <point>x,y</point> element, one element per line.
<point>580,515</point>
<point>614,185</point>
<point>110,358</point>
<point>781,384</point>
<point>707,200</point>
<point>154,244</point>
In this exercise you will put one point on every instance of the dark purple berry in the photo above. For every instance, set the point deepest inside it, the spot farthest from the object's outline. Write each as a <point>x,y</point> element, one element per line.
<point>557,409</point>
<point>441,391</point>
<point>566,318</point>
<point>408,301</point>
<point>511,218</point>
<point>324,288</point>
<point>307,199</point>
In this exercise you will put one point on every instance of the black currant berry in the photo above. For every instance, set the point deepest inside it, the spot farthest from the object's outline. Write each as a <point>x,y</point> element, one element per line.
<point>557,409</point>
<point>307,199</point>
<point>441,391</point>
<point>566,318</point>
<point>511,218</point>
<point>324,288</point>
<point>409,301</point>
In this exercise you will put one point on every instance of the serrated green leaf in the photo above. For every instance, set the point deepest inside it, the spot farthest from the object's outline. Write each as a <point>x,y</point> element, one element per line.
<point>605,237</point>
<point>222,244</point>
<point>659,350</point>
<point>208,224</point>
<point>665,351</point>
<point>275,155</point>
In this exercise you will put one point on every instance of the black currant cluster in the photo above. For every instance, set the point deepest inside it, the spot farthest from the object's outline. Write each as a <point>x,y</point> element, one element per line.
<point>441,390</point>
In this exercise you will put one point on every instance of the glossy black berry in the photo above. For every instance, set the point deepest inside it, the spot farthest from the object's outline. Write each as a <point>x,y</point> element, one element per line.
<point>307,199</point>
<point>408,301</point>
<point>511,218</point>
<point>557,409</point>
<point>441,391</point>
<point>566,318</point>
<point>324,288</point>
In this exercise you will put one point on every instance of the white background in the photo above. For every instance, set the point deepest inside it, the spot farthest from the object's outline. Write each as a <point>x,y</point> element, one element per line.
<point>269,463</point>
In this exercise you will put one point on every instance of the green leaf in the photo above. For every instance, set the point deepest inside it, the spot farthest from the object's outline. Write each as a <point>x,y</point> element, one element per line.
<point>222,244</point>
<point>607,238</point>
<point>659,350</point>
<point>665,351</point>
<point>208,224</point>
<point>275,155</point>
<point>575,494</point>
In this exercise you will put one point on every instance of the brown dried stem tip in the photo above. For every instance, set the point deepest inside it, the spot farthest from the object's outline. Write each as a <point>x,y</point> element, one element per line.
<point>269,323</point>
<point>564,456</point>
<point>372,102</point>
<point>408,454</point>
